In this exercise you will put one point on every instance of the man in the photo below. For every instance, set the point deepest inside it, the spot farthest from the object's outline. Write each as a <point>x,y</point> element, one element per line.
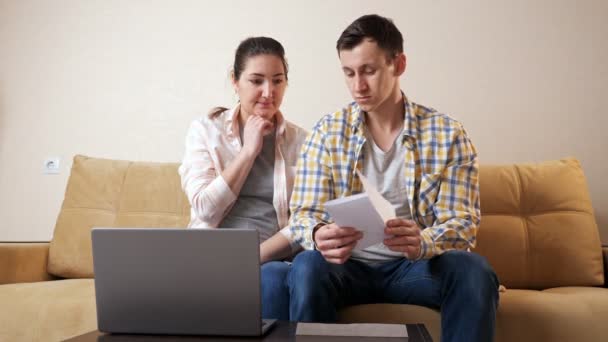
<point>425,165</point>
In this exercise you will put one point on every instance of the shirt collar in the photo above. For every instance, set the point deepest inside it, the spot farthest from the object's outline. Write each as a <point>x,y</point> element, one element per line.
<point>410,124</point>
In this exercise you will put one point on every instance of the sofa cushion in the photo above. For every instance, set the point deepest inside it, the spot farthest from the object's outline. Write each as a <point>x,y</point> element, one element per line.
<point>558,314</point>
<point>112,193</point>
<point>47,311</point>
<point>538,228</point>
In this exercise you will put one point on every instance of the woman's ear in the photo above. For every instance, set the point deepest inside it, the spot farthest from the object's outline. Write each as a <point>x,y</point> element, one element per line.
<point>234,82</point>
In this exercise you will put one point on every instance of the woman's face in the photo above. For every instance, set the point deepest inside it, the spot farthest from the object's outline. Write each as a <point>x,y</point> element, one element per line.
<point>261,86</point>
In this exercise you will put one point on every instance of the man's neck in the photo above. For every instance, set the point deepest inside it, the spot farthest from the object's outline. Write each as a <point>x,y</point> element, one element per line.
<point>388,118</point>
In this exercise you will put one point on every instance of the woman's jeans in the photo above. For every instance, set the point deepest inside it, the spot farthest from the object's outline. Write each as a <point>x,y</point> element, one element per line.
<point>275,293</point>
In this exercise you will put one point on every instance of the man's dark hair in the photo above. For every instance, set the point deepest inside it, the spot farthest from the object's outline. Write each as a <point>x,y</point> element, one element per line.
<point>372,26</point>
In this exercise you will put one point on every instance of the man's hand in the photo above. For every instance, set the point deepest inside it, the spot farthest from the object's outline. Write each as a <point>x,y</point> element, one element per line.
<point>406,237</point>
<point>336,243</point>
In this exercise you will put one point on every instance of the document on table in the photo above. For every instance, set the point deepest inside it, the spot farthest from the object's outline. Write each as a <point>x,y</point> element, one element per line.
<point>353,329</point>
<point>367,212</point>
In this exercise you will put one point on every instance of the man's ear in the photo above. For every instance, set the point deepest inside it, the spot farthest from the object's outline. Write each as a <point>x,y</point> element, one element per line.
<point>400,64</point>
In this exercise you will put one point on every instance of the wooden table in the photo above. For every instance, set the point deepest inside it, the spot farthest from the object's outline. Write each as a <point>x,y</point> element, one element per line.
<point>282,331</point>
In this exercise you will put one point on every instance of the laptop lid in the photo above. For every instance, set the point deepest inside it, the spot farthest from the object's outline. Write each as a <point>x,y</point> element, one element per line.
<point>177,281</point>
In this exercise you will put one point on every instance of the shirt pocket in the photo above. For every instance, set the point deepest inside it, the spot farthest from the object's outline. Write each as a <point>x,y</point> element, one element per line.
<point>428,194</point>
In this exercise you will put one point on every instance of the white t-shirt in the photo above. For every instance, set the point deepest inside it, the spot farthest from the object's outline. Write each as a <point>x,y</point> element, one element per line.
<point>386,171</point>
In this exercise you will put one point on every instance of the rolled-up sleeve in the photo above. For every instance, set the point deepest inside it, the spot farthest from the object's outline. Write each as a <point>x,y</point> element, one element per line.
<point>293,243</point>
<point>312,188</point>
<point>206,190</point>
<point>457,209</point>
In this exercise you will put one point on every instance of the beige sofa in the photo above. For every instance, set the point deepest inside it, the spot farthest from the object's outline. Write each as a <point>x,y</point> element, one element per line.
<point>538,231</point>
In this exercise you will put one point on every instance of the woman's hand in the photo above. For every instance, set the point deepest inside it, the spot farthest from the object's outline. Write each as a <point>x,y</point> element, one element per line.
<point>255,129</point>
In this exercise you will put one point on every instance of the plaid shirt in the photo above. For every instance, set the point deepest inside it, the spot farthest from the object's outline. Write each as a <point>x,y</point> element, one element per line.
<point>441,175</point>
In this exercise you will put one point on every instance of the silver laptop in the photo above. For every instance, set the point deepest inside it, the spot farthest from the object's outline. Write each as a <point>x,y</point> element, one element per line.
<point>178,281</point>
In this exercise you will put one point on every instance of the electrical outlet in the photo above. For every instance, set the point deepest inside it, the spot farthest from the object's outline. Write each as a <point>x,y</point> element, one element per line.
<point>51,166</point>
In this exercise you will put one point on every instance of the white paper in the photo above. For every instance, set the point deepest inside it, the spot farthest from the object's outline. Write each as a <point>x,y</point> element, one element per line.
<point>367,212</point>
<point>384,207</point>
<point>353,329</point>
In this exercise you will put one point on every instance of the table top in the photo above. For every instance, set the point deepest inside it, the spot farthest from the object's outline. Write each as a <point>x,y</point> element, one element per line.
<point>282,331</point>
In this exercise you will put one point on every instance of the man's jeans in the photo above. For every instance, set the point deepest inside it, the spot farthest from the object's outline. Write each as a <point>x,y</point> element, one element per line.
<point>461,284</point>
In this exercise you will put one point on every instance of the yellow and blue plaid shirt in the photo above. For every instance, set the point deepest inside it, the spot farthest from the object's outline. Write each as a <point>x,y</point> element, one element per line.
<point>441,174</point>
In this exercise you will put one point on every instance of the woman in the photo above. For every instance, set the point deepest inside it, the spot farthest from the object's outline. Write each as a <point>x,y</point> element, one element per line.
<point>239,164</point>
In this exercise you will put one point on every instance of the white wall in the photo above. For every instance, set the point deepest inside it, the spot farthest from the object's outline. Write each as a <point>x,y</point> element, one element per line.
<point>123,79</point>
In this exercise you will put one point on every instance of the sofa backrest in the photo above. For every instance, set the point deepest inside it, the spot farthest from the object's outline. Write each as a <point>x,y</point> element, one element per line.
<point>112,193</point>
<point>538,228</point>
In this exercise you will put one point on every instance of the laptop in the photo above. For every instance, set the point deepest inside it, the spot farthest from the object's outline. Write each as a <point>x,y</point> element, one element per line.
<point>178,281</point>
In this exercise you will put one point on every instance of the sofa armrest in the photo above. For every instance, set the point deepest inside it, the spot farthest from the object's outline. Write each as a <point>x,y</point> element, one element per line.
<point>23,262</point>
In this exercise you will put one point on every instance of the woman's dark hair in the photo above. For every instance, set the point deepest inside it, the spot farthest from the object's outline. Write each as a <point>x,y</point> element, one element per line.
<point>380,29</point>
<point>251,47</point>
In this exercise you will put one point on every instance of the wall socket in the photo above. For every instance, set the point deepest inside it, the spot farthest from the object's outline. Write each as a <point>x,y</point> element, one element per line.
<point>51,166</point>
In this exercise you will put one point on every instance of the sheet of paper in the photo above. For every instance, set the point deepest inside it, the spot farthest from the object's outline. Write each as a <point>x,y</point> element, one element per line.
<point>358,212</point>
<point>367,212</point>
<point>384,207</point>
<point>354,329</point>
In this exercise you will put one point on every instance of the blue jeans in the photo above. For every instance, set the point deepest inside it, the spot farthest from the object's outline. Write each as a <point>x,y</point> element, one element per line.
<point>275,293</point>
<point>461,284</point>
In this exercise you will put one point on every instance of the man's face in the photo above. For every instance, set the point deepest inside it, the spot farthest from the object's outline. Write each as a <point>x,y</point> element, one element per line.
<point>370,76</point>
